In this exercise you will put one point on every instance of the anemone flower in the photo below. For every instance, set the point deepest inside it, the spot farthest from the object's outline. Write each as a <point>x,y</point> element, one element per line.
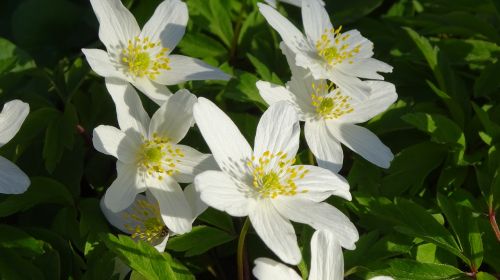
<point>331,114</point>
<point>142,220</point>
<point>327,262</point>
<point>342,58</point>
<point>263,183</point>
<point>149,156</point>
<point>12,179</point>
<point>143,57</point>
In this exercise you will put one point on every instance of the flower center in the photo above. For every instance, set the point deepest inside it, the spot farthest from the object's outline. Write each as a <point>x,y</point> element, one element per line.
<point>145,58</point>
<point>273,175</point>
<point>159,157</point>
<point>330,106</point>
<point>332,47</point>
<point>147,223</point>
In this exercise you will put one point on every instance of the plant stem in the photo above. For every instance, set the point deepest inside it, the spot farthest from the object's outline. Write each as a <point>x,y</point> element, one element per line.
<point>241,249</point>
<point>493,222</point>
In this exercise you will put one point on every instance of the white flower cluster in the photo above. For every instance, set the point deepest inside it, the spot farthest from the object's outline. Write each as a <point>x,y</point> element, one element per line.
<point>328,91</point>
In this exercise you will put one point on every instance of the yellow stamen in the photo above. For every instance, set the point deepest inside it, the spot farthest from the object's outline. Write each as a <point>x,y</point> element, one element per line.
<point>145,58</point>
<point>332,47</point>
<point>148,223</point>
<point>330,107</point>
<point>279,179</point>
<point>158,157</point>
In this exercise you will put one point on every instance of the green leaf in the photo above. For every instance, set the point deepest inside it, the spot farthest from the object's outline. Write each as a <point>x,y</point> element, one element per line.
<point>14,267</point>
<point>485,276</point>
<point>190,45</point>
<point>404,269</point>
<point>142,257</point>
<point>243,89</point>
<point>430,156</point>
<point>440,128</point>
<point>199,240</point>
<point>465,227</point>
<point>220,21</point>
<point>41,191</point>
<point>60,135</point>
<point>13,59</point>
<point>14,238</point>
<point>219,219</point>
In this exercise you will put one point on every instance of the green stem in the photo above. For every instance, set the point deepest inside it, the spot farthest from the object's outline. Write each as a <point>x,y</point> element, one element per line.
<point>311,157</point>
<point>241,249</point>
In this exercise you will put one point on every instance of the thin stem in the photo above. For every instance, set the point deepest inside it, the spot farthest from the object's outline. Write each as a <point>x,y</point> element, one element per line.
<point>241,249</point>
<point>493,221</point>
<point>311,157</point>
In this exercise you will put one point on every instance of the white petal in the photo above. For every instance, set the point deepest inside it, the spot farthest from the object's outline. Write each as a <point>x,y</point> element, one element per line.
<point>382,95</point>
<point>116,24</point>
<point>229,147</point>
<point>118,219</point>
<point>174,208</point>
<point>222,192</point>
<point>267,269</point>
<point>363,142</point>
<point>271,2</point>
<point>276,231</point>
<point>100,62</point>
<point>288,32</point>
<point>192,164</point>
<point>193,198</point>
<point>111,141</point>
<point>167,24</point>
<point>319,216</point>
<point>278,131</point>
<point>156,92</point>
<point>327,261</point>
<point>174,118</point>
<point>272,93</point>
<point>356,88</point>
<point>323,145</point>
<point>11,118</point>
<point>366,68</point>
<point>12,179</point>
<point>185,68</point>
<point>381,278</point>
<point>315,19</point>
<point>320,183</point>
<point>161,246</point>
<point>122,192</point>
<point>129,110</point>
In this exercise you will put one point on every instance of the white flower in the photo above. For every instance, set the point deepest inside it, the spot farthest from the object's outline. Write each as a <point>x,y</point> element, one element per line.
<point>264,185</point>
<point>330,115</point>
<point>342,58</point>
<point>12,179</point>
<point>143,57</point>
<point>327,262</point>
<point>143,220</point>
<point>148,153</point>
<point>297,3</point>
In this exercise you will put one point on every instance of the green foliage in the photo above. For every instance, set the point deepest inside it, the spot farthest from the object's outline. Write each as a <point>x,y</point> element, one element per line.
<point>428,216</point>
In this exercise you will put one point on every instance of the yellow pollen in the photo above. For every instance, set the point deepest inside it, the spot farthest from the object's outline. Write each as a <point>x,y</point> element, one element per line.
<point>279,179</point>
<point>147,223</point>
<point>159,157</point>
<point>145,58</point>
<point>332,106</point>
<point>332,47</point>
